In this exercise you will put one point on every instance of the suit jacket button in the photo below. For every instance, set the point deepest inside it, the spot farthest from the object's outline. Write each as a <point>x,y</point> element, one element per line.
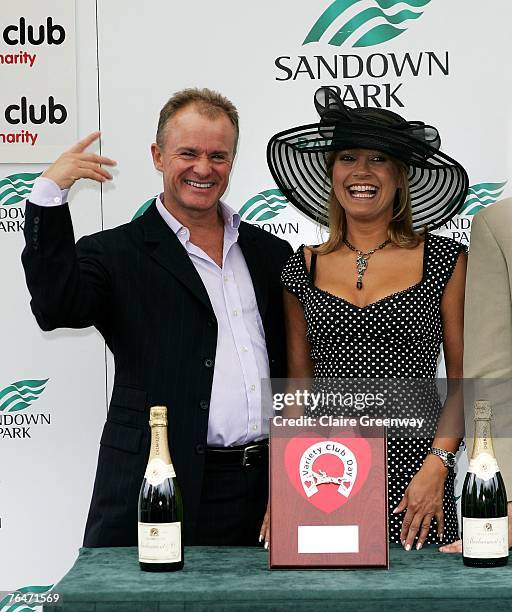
<point>36,220</point>
<point>204,404</point>
<point>200,449</point>
<point>208,363</point>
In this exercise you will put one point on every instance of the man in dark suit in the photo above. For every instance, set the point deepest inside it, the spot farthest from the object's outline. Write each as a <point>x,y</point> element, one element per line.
<point>188,299</point>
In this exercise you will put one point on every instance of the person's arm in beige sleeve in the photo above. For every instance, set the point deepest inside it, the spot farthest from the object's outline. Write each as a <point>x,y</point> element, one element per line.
<point>488,332</point>
<point>488,325</point>
<point>488,312</point>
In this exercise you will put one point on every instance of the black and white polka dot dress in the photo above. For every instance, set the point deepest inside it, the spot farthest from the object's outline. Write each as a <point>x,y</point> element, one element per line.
<point>398,336</point>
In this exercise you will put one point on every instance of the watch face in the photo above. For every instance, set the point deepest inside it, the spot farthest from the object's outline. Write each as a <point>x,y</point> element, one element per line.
<point>450,460</point>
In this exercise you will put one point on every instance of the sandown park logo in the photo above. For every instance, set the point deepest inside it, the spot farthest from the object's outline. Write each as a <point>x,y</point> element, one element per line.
<point>263,206</point>
<point>16,187</point>
<point>370,22</point>
<point>480,196</point>
<point>143,208</point>
<point>20,395</point>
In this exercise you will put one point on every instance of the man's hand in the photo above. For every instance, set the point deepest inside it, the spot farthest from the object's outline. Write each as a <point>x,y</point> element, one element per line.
<point>456,547</point>
<point>265,529</point>
<point>75,164</point>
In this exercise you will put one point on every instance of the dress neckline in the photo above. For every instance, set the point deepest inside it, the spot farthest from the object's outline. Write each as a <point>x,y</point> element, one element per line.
<point>380,300</point>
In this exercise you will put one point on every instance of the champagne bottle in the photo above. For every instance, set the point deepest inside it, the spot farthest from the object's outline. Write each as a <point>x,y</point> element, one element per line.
<point>160,504</point>
<point>484,500</point>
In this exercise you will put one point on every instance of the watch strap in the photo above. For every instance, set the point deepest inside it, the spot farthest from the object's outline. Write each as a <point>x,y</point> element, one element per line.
<point>446,457</point>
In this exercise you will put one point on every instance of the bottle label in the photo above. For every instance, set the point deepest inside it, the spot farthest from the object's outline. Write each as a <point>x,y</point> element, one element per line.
<point>484,466</point>
<point>157,471</point>
<point>485,538</point>
<point>160,542</point>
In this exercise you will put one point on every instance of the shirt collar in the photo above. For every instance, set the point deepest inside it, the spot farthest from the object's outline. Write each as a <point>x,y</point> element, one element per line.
<point>231,219</point>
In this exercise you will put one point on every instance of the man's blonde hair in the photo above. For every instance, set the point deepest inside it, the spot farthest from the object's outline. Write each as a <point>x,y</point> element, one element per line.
<point>209,103</point>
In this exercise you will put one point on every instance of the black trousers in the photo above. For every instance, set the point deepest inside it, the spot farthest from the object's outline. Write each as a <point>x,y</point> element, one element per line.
<point>233,503</point>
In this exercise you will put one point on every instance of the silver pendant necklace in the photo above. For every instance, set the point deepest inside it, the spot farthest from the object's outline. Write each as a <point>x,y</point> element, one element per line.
<point>362,259</point>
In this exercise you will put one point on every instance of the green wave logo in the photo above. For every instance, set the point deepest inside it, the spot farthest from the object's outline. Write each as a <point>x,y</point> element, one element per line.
<point>376,20</point>
<point>143,208</point>
<point>23,597</point>
<point>263,206</point>
<point>16,187</point>
<point>20,395</point>
<point>480,196</point>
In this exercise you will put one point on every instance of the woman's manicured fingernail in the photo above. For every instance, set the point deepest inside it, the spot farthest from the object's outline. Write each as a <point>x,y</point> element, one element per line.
<point>260,539</point>
<point>403,542</point>
<point>408,547</point>
<point>266,546</point>
<point>419,545</point>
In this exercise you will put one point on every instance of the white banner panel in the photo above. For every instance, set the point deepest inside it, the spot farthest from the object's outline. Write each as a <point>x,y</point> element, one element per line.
<point>52,385</point>
<point>38,75</point>
<point>420,58</point>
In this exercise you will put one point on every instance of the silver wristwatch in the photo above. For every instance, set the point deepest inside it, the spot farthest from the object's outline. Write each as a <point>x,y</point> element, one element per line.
<point>446,457</point>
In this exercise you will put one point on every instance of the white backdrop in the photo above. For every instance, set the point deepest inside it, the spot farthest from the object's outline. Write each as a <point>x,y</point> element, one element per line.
<point>255,54</point>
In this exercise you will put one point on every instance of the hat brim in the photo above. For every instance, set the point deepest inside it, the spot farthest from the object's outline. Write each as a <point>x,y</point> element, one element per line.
<point>297,159</point>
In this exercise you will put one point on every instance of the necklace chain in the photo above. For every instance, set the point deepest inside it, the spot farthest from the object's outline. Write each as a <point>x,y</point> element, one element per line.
<point>362,259</point>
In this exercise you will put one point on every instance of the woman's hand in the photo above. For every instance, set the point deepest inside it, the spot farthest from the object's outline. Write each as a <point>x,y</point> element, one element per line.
<point>454,547</point>
<point>422,500</point>
<point>265,528</point>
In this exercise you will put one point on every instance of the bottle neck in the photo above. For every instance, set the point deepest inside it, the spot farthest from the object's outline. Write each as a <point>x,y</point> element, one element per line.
<point>159,444</point>
<point>482,442</point>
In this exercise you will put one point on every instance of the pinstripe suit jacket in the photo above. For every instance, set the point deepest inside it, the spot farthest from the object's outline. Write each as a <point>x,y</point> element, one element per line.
<point>137,286</point>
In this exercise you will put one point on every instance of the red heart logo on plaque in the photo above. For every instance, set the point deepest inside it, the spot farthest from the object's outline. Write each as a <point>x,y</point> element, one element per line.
<point>327,472</point>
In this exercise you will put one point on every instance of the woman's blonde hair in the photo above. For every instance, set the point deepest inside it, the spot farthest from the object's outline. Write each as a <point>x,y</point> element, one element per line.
<point>400,230</point>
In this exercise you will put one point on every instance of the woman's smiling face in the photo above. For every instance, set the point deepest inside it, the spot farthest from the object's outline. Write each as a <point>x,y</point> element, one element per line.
<point>365,182</point>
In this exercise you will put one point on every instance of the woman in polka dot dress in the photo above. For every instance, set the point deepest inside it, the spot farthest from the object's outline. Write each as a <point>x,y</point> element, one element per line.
<point>381,295</point>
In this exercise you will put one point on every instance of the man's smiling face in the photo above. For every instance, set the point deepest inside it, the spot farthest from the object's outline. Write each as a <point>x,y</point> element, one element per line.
<point>195,159</point>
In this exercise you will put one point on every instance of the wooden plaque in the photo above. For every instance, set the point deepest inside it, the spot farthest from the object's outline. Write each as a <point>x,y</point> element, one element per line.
<point>328,497</point>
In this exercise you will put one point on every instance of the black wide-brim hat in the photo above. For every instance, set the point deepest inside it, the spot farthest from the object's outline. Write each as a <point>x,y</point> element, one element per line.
<point>297,159</point>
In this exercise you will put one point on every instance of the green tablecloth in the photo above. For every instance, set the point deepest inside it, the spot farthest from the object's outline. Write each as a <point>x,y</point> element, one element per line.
<point>215,579</point>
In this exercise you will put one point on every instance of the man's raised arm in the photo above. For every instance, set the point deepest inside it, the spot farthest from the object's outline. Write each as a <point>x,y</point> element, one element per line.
<point>67,285</point>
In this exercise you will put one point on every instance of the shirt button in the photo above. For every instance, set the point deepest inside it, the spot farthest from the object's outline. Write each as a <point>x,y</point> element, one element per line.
<point>235,312</point>
<point>57,200</point>
<point>252,387</point>
<point>200,449</point>
<point>244,349</point>
<point>203,404</point>
<point>208,363</point>
<point>255,428</point>
<point>226,278</point>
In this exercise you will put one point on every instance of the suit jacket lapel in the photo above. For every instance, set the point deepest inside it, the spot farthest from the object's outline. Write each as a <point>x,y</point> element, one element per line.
<point>165,248</point>
<point>254,257</point>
